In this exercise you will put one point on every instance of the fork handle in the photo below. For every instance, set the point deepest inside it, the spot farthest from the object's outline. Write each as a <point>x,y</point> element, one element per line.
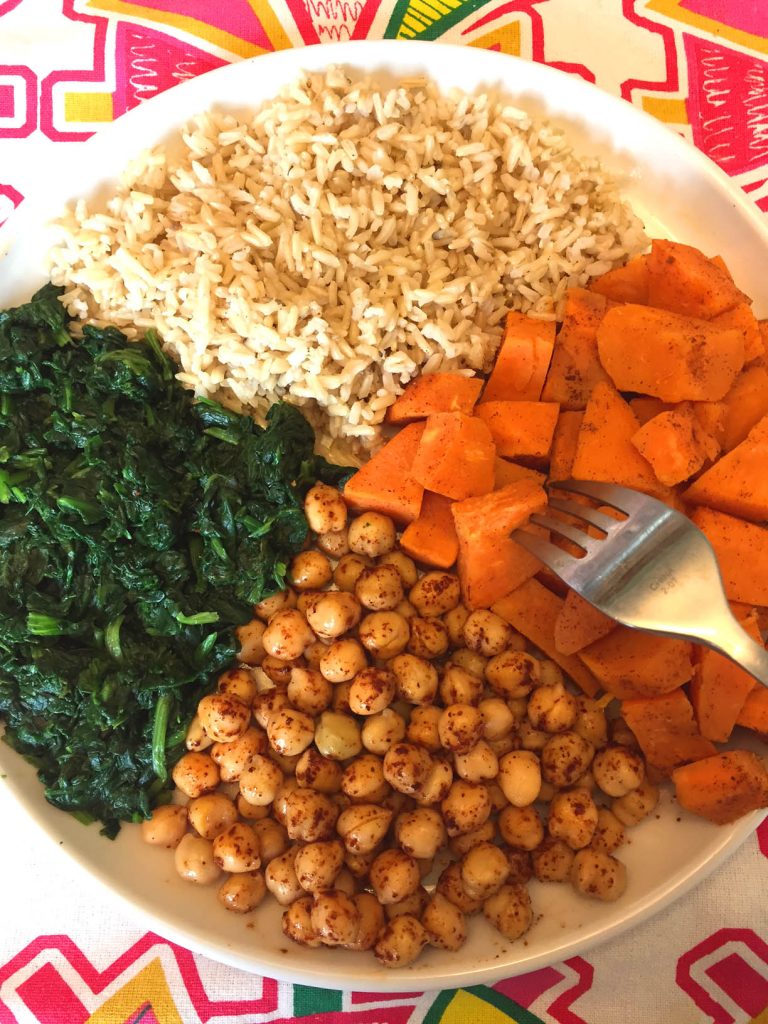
<point>735,643</point>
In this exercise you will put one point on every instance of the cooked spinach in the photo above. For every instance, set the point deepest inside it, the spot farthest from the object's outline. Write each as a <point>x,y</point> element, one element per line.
<point>137,528</point>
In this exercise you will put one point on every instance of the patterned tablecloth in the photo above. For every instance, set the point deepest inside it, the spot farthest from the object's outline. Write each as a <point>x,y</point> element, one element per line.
<point>69,66</point>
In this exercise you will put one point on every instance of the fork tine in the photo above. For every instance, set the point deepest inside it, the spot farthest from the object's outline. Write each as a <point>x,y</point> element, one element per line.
<point>556,559</point>
<point>621,498</point>
<point>586,512</point>
<point>572,533</point>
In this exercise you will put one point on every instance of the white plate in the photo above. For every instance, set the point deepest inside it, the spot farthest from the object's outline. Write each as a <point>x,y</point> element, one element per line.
<point>679,194</point>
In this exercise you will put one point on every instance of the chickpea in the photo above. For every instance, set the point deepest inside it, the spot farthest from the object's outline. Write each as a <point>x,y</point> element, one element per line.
<point>222,717</point>
<point>348,571</point>
<point>530,738</point>
<point>453,621</point>
<point>637,804</point>
<point>370,921</point>
<point>591,723</point>
<point>552,708</point>
<point>309,816</point>
<point>512,674</point>
<point>486,633</point>
<point>505,744</point>
<point>296,923</point>
<point>458,686</point>
<point>618,770</point>
<point>465,807</point>
<point>359,864</point>
<point>334,543</point>
<point>484,869</point>
<point>496,796</point>
<point>520,777</point>
<point>363,780</point>
<point>609,834</point>
<point>564,758</point>
<point>340,702</point>
<point>197,738</point>
<point>249,811</point>
<point>249,636</point>
<point>520,865</point>
<point>310,570</point>
<point>620,734</point>
<point>477,764</point>
<point>194,860</point>
<point>444,924</point>
<point>309,691</point>
<point>416,679</point>
<point>498,719</point>
<point>573,818</point>
<point>384,634</point>
<point>273,839</point>
<point>379,588</point>
<point>521,827</point>
<point>275,603</point>
<point>422,728</point>
<point>400,942</point>
<point>261,781</point>
<point>335,917</point>
<point>371,691</point>
<point>287,635</point>
<point>372,534</point>
<point>342,661</point>
<point>313,771</point>
<point>166,826</point>
<point>382,731</point>
<point>451,885</point>
<point>509,911</point>
<point>429,637</point>
<point>333,614</point>
<point>233,758</point>
<point>325,509</point>
<point>211,814</point>
<point>550,672</point>
<point>435,594</point>
<point>239,683</point>
<point>404,565</point>
<point>599,875</point>
<point>236,849</point>
<point>280,803</point>
<point>552,860</point>
<point>420,833</point>
<point>470,661</point>
<point>196,773</point>
<point>290,732</point>
<point>363,826</point>
<point>242,893</point>
<point>436,786</point>
<point>461,844</point>
<point>406,767</point>
<point>279,671</point>
<point>337,736</point>
<point>413,904</point>
<point>394,875</point>
<point>406,609</point>
<point>280,877</point>
<point>460,727</point>
<point>318,864</point>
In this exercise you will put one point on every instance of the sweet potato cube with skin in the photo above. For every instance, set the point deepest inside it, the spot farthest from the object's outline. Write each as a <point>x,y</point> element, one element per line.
<point>666,730</point>
<point>625,284</point>
<point>455,456</point>
<point>737,483</point>
<point>490,563</point>
<point>745,405</point>
<point>675,444</point>
<point>385,483</point>
<point>741,318</point>
<point>575,367</point>
<point>435,392</point>
<point>506,472</point>
<point>672,357</point>
<point>682,279</point>
<point>723,787</point>
<point>431,538</point>
<point>630,663</point>
<point>564,443</point>
<point>522,361</point>
<point>580,624</point>
<point>742,554</point>
<point>520,428</point>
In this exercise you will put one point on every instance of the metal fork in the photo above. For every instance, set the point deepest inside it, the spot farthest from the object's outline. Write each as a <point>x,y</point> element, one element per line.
<point>653,571</point>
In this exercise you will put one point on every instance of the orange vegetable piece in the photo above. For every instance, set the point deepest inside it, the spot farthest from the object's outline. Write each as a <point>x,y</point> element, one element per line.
<point>666,730</point>
<point>604,450</point>
<point>564,442</point>
<point>579,624</point>
<point>490,564</point>
<point>435,392</point>
<point>630,663</point>
<point>745,405</point>
<point>646,408</point>
<point>723,787</point>
<point>522,361</point>
<point>506,472</point>
<point>533,610</point>
<point>742,554</point>
<point>668,356</point>
<point>575,367</point>
<point>385,483</point>
<point>675,444</point>
<point>754,711</point>
<point>738,482</point>
<point>719,688</point>
<point>625,284</point>
<point>684,280</point>
<point>455,456</point>
<point>520,428</point>
<point>742,319</point>
<point>431,538</point>
<point>711,416</point>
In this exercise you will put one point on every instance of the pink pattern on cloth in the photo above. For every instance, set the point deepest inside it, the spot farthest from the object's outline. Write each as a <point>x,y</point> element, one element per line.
<point>525,989</point>
<point>744,16</point>
<point>739,976</point>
